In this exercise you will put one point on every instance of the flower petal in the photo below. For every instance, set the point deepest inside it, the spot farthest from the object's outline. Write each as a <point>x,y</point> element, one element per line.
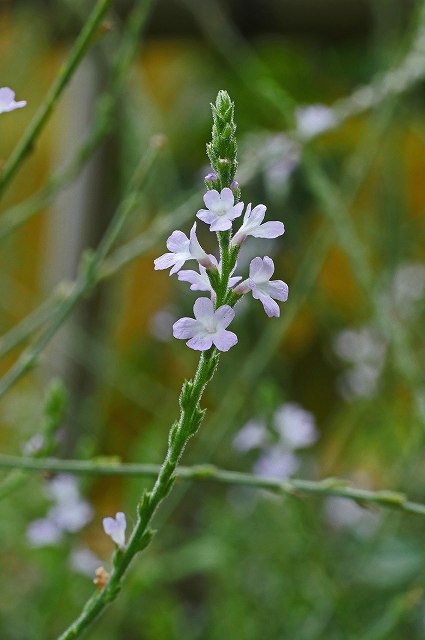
<point>221,224</point>
<point>225,340</point>
<point>278,290</point>
<point>165,261</point>
<point>185,328</point>
<point>200,343</point>
<point>236,211</point>
<point>206,216</point>
<point>203,309</point>
<point>178,242</point>
<point>227,198</point>
<point>178,265</point>
<point>270,306</point>
<point>272,229</point>
<point>261,272</point>
<point>212,199</point>
<point>224,316</point>
<point>257,214</point>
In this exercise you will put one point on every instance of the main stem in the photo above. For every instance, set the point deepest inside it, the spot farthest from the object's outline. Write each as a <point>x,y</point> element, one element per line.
<point>180,432</point>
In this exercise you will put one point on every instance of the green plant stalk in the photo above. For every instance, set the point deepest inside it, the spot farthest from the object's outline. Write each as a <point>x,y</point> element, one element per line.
<point>88,278</point>
<point>17,215</point>
<point>209,473</point>
<point>191,416</point>
<point>27,142</point>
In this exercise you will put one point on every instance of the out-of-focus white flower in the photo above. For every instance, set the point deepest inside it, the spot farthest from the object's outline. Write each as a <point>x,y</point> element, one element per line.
<point>33,445</point>
<point>43,532</point>
<point>8,102</point>
<point>115,528</point>
<point>406,289</point>
<point>83,560</point>
<point>295,425</point>
<point>342,513</point>
<point>365,351</point>
<point>71,516</point>
<point>314,119</point>
<point>276,462</point>
<point>252,436</point>
<point>161,324</point>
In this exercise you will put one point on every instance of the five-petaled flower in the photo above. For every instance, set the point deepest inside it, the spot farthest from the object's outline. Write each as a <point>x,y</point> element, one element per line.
<point>252,225</point>
<point>221,209</point>
<point>8,102</point>
<point>182,249</point>
<point>208,327</point>
<point>264,290</point>
<point>115,528</point>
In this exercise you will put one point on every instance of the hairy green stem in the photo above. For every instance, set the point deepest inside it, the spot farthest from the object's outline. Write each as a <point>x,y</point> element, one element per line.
<point>189,421</point>
<point>210,473</point>
<point>27,142</point>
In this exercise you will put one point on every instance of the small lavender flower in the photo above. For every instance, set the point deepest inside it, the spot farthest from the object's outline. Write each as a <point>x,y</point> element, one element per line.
<point>71,517</point>
<point>82,560</point>
<point>252,225</point>
<point>220,210</point>
<point>252,436</point>
<point>43,532</point>
<point>296,426</point>
<point>115,528</point>
<point>182,249</point>
<point>208,327</point>
<point>264,290</point>
<point>314,119</point>
<point>276,462</point>
<point>34,445</point>
<point>7,100</point>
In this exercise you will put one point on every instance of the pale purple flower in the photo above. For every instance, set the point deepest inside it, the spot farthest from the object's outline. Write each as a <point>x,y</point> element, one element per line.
<point>252,225</point>
<point>161,324</point>
<point>252,436</point>
<point>221,209</point>
<point>201,282</point>
<point>71,517</point>
<point>7,100</point>
<point>314,119</point>
<point>260,272</point>
<point>43,532</point>
<point>115,528</point>
<point>276,462</point>
<point>63,489</point>
<point>182,249</point>
<point>343,513</point>
<point>295,425</point>
<point>208,327</point>
<point>83,560</point>
<point>34,445</point>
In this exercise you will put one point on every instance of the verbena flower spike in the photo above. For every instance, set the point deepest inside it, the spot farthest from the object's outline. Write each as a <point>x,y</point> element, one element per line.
<point>8,102</point>
<point>213,315</point>
<point>206,332</point>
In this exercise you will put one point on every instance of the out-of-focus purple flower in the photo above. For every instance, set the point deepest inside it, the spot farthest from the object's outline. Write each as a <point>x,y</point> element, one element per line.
<point>221,210</point>
<point>260,272</point>
<point>208,327</point>
<point>33,445</point>
<point>182,249</point>
<point>8,102</point>
<point>314,119</point>
<point>115,528</point>
<point>252,225</point>
<point>295,425</point>
<point>83,560</point>
<point>71,517</point>
<point>365,350</point>
<point>342,513</point>
<point>63,489</point>
<point>161,324</point>
<point>276,462</point>
<point>43,532</point>
<point>252,436</point>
